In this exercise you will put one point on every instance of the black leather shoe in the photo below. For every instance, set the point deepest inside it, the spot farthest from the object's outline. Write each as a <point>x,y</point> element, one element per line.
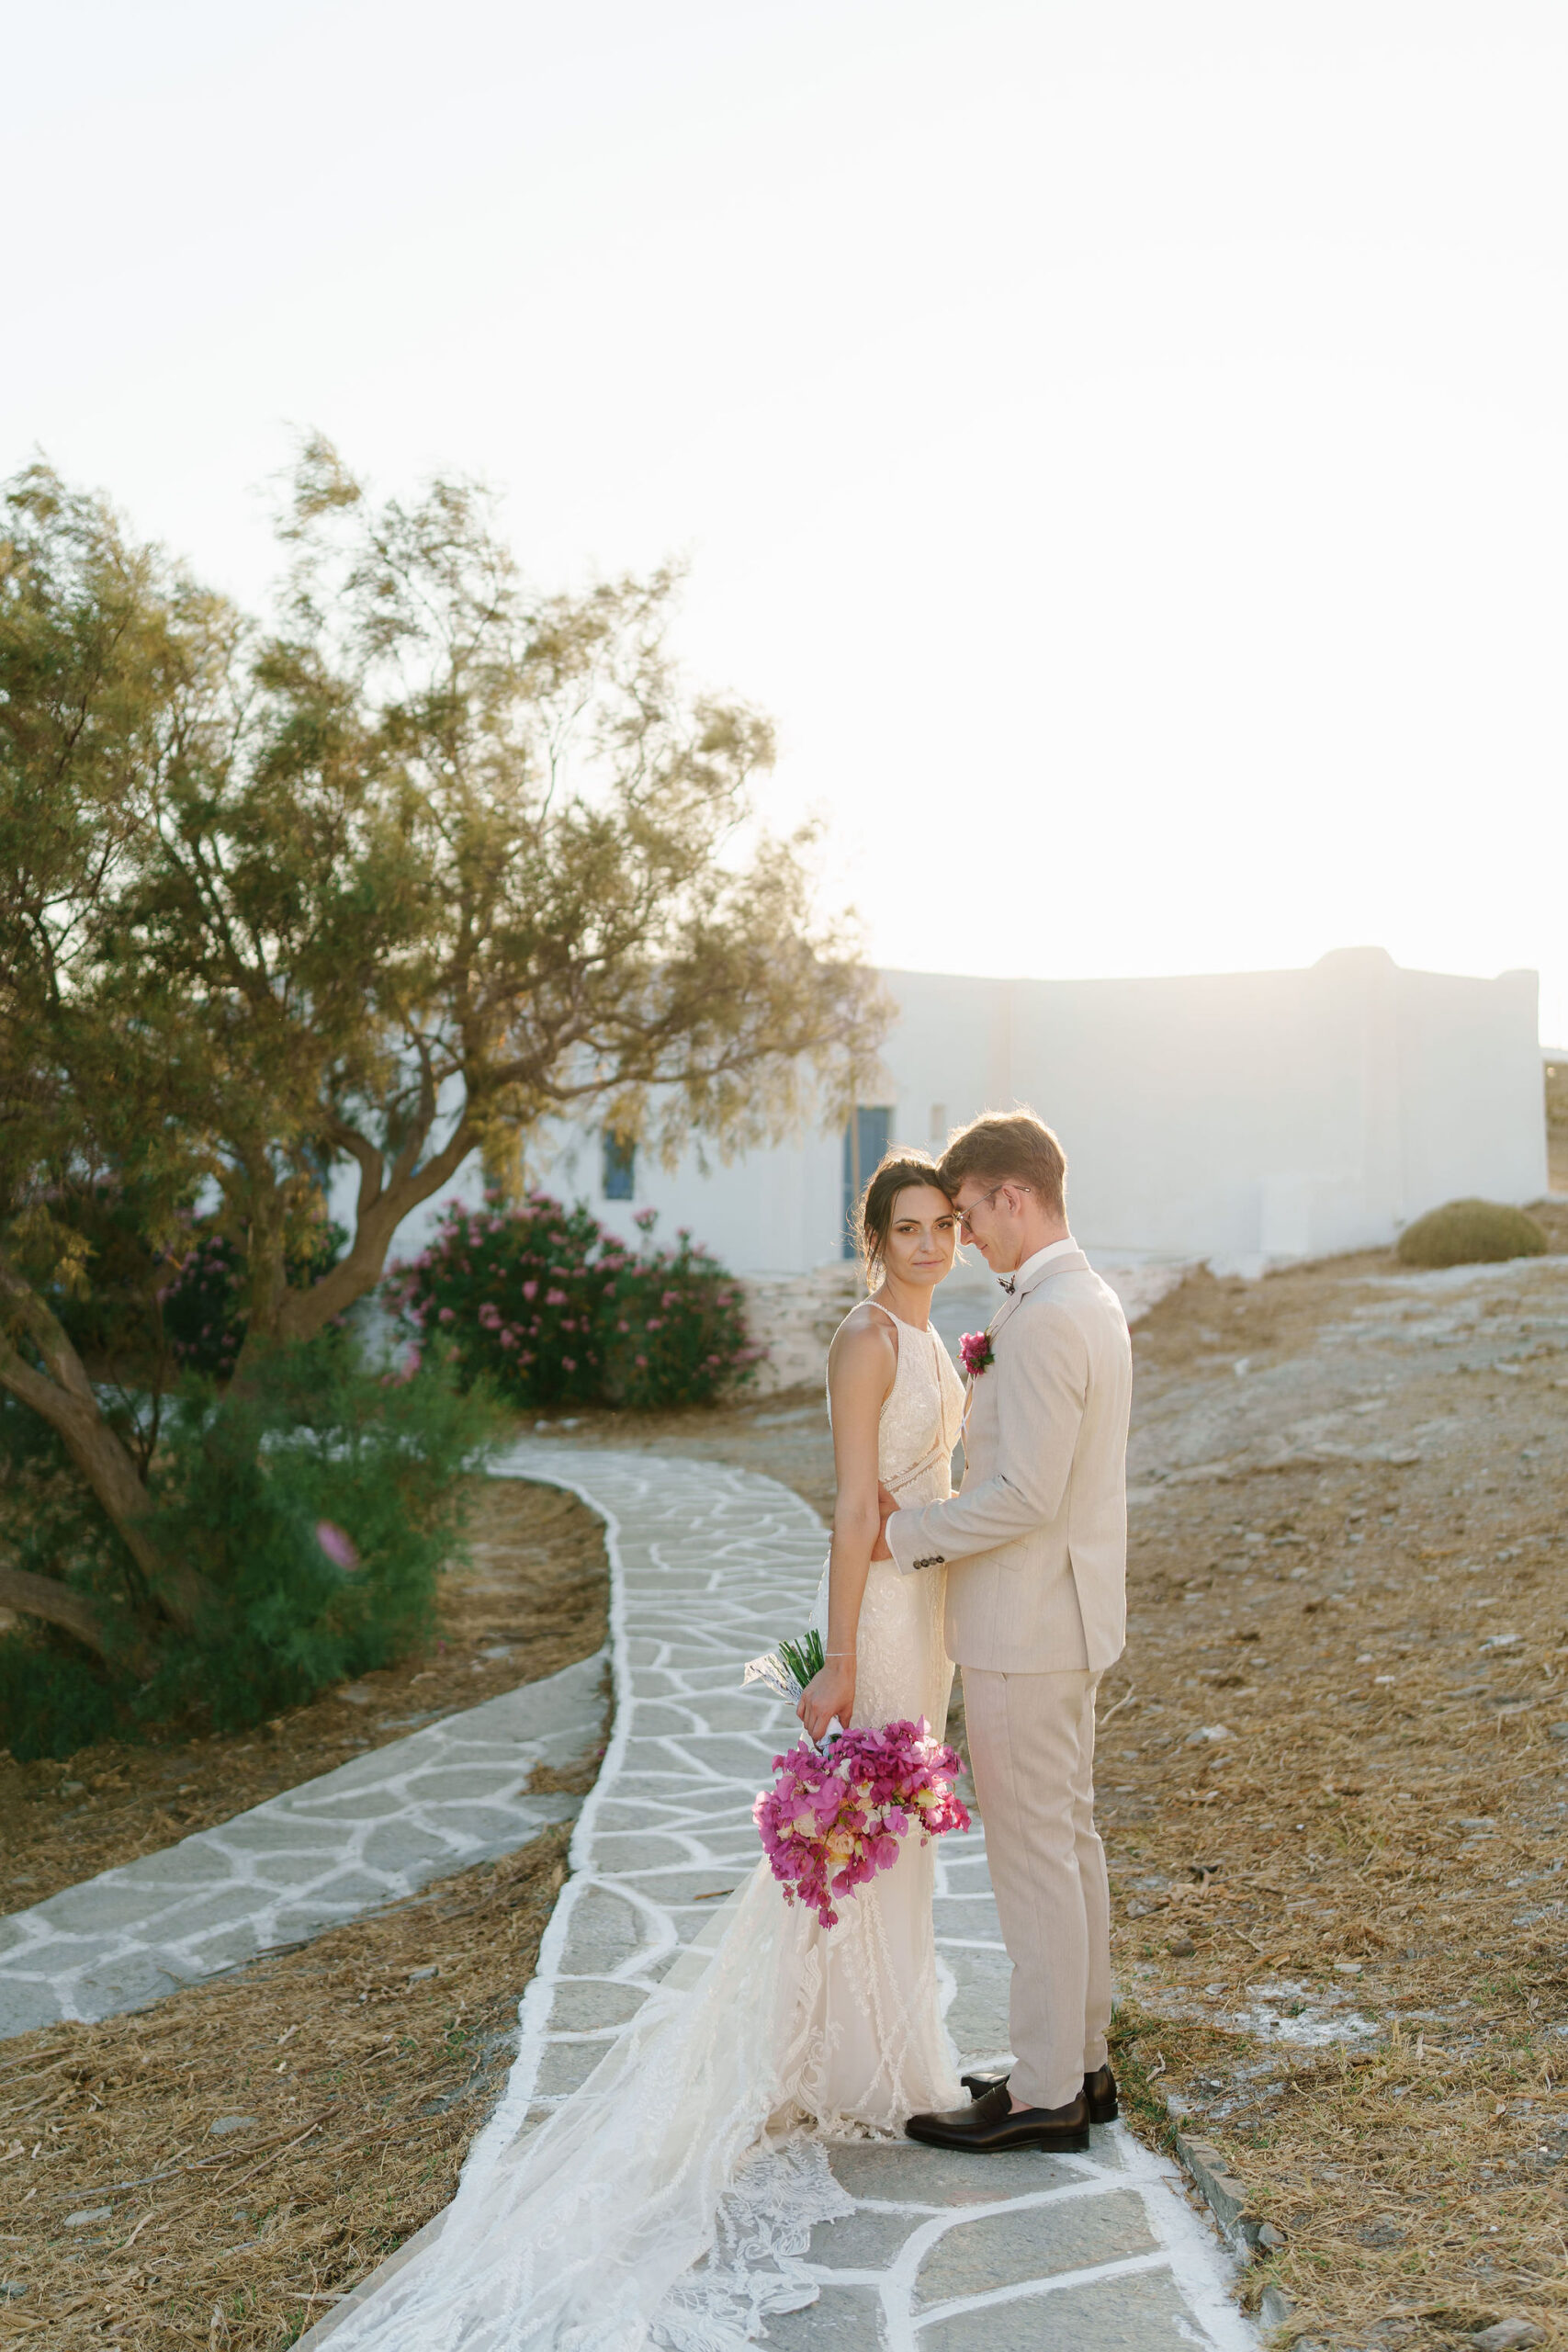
<point>1099,2096</point>
<point>1099,2090</point>
<point>990,2126</point>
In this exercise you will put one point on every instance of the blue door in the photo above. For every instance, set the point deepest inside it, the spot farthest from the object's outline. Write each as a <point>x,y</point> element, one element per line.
<point>866,1137</point>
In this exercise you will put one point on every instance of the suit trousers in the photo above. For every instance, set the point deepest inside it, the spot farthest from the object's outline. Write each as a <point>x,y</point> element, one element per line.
<point>1031,1744</point>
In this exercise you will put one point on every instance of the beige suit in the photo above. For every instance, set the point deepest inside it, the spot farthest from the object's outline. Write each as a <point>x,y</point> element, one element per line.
<point>1035,1549</point>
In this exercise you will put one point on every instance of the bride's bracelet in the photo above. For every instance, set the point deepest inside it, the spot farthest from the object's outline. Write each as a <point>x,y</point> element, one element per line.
<point>837,1653</point>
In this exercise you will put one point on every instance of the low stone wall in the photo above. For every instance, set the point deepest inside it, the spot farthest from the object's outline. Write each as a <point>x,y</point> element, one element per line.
<point>794,1317</point>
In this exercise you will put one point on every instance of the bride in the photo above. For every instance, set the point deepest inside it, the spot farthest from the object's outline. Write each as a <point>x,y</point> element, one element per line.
<point>668,2201</point>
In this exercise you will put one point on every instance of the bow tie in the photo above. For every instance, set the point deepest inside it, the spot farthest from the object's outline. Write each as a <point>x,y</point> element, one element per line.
<point>1010,1285</point>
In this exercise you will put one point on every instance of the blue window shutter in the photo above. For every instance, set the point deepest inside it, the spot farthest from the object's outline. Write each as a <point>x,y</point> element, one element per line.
<point>866,1136</point>
<point>618,1181</point>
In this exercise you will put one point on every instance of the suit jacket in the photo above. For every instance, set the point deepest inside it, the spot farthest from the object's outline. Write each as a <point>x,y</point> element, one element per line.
<point>1035,1541</point>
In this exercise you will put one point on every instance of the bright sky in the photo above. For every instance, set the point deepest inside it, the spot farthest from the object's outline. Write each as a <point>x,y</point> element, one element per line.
<point>1126,446</point>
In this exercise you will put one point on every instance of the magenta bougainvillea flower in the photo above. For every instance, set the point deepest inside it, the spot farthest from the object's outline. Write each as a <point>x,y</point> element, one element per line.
<point>830,1821</point>
<point>975,1347</point>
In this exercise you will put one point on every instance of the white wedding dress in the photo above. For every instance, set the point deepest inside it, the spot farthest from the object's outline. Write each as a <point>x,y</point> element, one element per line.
<point>668,2201</point>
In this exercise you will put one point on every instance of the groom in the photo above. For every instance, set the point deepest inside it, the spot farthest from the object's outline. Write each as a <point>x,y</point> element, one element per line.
<point>1035,1548</point>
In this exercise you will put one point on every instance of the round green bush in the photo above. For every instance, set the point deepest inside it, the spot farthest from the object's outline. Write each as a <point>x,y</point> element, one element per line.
<point>550,1309</point>
<point>1471,1233</point>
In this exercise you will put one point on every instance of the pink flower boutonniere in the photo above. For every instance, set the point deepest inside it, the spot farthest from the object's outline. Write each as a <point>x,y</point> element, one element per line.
<point>975,1347</point>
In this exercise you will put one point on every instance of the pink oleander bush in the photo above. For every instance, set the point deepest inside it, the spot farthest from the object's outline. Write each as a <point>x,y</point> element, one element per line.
<point>830,1821</point>
<point>550,1309</point>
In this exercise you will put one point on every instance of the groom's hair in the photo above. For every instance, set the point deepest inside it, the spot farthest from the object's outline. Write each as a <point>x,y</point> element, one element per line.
<point>1008,1148</point>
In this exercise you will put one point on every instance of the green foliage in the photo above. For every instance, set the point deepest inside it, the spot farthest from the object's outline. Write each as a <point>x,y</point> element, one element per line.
<point>205,1293</point>
<point>319,1506</point>
<point>553,1310</point>
<point>518,1295</point>
<point>55,1697</point>
<point>146,1296</point>
<point>53,1701</point>
<point>675,1332</point>
<point>1471,1233</point>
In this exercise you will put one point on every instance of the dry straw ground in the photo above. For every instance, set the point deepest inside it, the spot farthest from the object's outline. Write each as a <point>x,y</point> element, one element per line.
<point>1378,1835</point>
<point>248,2149</point>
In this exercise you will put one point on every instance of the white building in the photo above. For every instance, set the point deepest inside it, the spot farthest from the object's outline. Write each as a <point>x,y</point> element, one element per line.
<point>1241,1117</point>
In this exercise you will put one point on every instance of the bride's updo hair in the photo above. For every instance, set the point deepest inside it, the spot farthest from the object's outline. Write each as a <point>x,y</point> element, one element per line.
<point>873,1216</point>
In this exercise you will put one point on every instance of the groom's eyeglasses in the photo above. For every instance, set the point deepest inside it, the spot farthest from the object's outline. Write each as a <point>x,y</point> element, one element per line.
<point>965,1227</point>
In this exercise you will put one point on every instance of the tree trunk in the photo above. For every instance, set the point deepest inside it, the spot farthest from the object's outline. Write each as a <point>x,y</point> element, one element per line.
<point>63,1395</point>
<point>57,1604</point>
<point>380,1211</point>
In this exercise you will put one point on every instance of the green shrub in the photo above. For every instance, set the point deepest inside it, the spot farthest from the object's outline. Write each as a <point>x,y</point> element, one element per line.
<point>321,1507</point>
<point>552,1310</point>
<point>1471,1233</point>
<point>166,1298</point>
<point>518,1295</point>
<point>202,1294</point>
<point>56,1696</point>
<point>674,1332</point>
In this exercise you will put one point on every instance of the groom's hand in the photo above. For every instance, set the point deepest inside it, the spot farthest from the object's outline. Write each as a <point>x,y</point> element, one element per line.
<point>886,1504</point>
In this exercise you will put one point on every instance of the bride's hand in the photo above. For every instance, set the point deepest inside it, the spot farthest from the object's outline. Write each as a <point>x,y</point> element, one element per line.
<point>829,1693</point>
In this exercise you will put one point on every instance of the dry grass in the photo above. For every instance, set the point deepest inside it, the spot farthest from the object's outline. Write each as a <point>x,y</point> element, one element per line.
<point>534,1590</point>
<point>362,2083</point>
<point>1383,1828</point>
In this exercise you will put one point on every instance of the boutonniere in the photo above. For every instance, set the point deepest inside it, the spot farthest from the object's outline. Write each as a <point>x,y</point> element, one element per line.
<point>975,1347</point>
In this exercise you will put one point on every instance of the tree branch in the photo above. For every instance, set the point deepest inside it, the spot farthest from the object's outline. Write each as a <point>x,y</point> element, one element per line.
<point>63,1395</point>
<point>58,1604</point>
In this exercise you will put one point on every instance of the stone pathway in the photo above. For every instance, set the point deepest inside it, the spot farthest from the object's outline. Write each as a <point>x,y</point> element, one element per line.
<point>950,2254</point>
<point>450,1795</point>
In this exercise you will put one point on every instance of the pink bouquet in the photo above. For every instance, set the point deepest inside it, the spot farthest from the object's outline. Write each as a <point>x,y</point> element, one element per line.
<point>831,1821</point>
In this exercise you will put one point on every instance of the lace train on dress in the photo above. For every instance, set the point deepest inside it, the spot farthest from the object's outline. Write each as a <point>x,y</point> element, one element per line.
<point>670,2199</point>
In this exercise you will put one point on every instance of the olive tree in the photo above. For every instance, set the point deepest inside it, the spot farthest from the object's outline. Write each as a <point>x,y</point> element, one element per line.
<point>429,859</point>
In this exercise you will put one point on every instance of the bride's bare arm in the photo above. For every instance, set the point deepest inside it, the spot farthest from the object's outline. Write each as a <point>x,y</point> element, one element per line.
<point>862,1365</point>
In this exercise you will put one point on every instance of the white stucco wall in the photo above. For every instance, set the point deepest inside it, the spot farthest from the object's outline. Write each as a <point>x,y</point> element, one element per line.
<point>1239,1116</point>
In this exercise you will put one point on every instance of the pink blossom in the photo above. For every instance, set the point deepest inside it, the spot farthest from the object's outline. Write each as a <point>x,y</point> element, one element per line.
<point>338,1546</point>
<point>530,1290</point>
<point>569,1364</point>
<point>447,1314</point>
<point>555,1298</point>
<point>489,1316</point>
